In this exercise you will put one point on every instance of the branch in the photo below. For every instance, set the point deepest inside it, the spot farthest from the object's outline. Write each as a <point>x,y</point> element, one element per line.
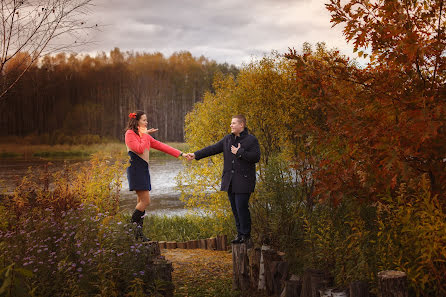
<point>40,29</point>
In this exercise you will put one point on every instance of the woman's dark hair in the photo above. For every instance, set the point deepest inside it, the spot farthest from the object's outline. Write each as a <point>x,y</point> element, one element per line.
<point>133,122</point>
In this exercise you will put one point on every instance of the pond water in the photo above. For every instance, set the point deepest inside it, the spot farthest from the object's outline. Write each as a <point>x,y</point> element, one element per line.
<point>165,199</point>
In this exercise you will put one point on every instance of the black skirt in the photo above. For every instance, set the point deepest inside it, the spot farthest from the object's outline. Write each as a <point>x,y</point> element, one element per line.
<point>138,173</point>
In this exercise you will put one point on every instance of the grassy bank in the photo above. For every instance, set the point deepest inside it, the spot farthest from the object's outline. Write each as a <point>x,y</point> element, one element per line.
<point>183,228</point>
<point>72,151</point>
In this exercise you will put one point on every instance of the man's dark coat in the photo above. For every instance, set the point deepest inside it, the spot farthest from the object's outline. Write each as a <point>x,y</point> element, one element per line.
<point>239,168</point>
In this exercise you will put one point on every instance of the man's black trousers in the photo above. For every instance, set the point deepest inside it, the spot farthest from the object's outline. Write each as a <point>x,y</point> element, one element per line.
<point>240,209</point>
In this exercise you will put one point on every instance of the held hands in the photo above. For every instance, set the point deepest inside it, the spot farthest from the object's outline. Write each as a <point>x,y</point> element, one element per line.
<point>189,156</point>
<point>234,149</point>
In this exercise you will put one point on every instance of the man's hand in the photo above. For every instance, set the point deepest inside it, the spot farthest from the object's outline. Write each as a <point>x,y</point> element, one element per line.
<point>234,149</point>
<point>189,156</point>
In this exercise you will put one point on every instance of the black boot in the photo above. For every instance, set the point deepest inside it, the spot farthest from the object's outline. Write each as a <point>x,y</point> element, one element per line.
<point>138,218</point>
<point>245,239</point>
<point>237,239</point>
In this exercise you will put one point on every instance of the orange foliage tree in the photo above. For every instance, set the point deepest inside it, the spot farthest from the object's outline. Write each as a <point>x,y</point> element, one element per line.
<point>385,123</point>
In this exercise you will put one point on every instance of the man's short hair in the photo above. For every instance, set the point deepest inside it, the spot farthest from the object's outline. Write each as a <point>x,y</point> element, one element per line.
<point>241,119</point>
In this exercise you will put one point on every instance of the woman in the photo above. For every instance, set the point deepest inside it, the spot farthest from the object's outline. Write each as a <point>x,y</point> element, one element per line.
<point>138,143</point>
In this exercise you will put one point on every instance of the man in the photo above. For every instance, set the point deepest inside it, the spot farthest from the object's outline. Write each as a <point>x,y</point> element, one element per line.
<point>241,151</point>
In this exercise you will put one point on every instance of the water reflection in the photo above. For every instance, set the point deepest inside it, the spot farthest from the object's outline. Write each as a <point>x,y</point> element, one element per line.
<point>165,199</point>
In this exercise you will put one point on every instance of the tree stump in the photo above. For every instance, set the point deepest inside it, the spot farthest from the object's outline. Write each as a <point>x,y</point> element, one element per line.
<point>211,243</point>
<point>270,259</point>
<point>162,270</point>
<point>262,281</point>
<point>392,283</point>
<point>292,287</point>
<point>313,281</point>
<point>254,266</point>
<point>359,289</point>
<point>240,267</point>
<point>152,249</point>
<point>181,245</point>
<point>325,292</point>
<point>339,293</point>
<point>171,245</point>
<point>203,244</point>
<point>280,274</point>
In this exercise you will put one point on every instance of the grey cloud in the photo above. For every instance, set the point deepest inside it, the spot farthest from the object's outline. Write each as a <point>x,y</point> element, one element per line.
<point>225,30</point>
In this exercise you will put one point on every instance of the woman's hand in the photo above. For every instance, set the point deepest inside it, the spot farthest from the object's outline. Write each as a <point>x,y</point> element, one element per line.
<point>151,130</point>
<point>143,130</point>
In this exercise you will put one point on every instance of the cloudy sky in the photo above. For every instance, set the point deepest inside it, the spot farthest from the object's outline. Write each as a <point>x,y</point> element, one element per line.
<point>230,31</point>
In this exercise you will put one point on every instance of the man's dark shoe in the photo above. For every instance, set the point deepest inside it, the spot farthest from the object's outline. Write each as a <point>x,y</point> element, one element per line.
<point>237,239</point>
<point>245,239</point>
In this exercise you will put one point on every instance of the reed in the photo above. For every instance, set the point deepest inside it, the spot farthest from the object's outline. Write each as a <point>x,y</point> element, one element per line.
<point>184,228</point>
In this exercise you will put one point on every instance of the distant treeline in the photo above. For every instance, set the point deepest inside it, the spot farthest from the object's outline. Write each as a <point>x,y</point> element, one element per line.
<point>71,95</point>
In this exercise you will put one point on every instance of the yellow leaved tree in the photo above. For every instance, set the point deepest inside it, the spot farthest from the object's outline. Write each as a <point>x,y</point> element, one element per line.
<point>264,91</point>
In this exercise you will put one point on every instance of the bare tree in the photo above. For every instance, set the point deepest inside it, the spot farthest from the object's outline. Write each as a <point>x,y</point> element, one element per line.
<point>30,29</point>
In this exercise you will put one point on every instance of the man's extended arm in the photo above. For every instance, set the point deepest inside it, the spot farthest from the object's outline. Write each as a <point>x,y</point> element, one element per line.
<point>208,151</point>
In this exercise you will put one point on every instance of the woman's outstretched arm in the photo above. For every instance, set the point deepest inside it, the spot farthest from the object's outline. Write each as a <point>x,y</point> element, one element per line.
<point>163,147</point>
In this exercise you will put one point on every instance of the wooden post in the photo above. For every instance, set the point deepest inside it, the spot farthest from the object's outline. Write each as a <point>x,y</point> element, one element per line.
<point>222,239</point>
<point>325,292</point>
<point>240,267</point>
<point>313,281</point>
<point>269,257</point>
<point>292,287</point>
<point>225,242</point>
<point>359,289</point>
<point>254,266</point>
<point>280,274</point>
<point>190,244</point>
<point>162,269</point>
<point>211,243</point>
<point>181,245</point>
<point>221,242</point>
<point>203,244</point>
<point>306,284</point>
<point>152,248</point>
<point>319,281</point>
<point>392,283</point>
<point>262,282</point>
<point>171,244</point>
<point>162,244</point>
<point>339,293</point>
<point>218,246</point>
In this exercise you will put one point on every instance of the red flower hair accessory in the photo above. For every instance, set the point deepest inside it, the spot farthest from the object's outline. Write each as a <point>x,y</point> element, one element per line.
<point>132,115</point>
